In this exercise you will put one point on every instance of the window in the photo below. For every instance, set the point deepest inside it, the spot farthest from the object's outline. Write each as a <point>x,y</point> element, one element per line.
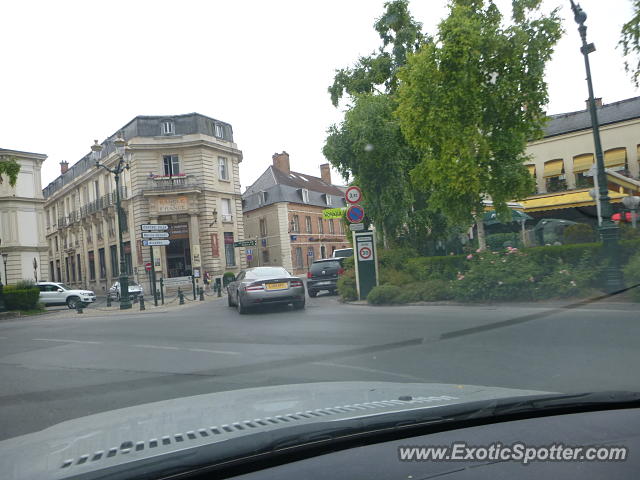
<point>226,210</point>
<point>307,224</point>
<point>583,181</point>
<point>556,184</point>
<point>113,252</point>
<point>327,199</point>
<point>66,267</point>
<point>58,274</point>
<point>320,225</point>
<point>229,250</point>
<point>262,198</point>
<point>340,227</point>
<point>223,168</point>
<point>265,256</point>
<point>92,266</point>
<point>168,128</point>
<point>299,263</point>
<point>79,269</point>
<point>331,226</point>
<point>103,263</point>
<point>96,186</point>
<point>305,195</point>
<point>263,227</point>
<point>72,264</point>
<point>127,258</point>
<point>171,165</point>
<point>218,130</point>
<point>295,224</point>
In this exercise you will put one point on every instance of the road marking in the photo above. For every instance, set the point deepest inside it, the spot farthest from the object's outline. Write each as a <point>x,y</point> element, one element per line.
<point>163,347</point>
<point>370,370</point>
<point>64,340</point>
<point>224,352</point>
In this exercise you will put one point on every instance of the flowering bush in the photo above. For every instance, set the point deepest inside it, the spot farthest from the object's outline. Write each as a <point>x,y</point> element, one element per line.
<point>632,276</point>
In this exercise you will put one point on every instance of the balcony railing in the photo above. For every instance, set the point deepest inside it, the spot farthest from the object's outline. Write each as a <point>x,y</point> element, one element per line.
<point>227,218</point>
<point>168,184</point>
<point>104,201</point>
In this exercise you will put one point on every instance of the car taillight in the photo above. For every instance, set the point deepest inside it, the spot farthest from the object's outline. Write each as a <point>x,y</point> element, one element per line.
<point>340,271</point>
<point>253,288</point>
<point>296,283</point>
<point>308,274</point>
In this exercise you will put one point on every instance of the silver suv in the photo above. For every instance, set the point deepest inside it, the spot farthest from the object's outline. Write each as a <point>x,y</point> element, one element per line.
<point>52,293</point>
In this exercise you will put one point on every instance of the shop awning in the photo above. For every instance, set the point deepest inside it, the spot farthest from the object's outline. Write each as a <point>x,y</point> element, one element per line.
<point>582,163</point>
<point>553,168</point>
<point>615,158</point>
<point>532,169</point>
<point>570,199</point>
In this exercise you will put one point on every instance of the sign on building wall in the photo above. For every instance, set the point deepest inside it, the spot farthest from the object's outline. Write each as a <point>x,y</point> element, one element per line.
<point>329,213</point>
<point>215,250</point>
<point>172,204</point>
<point>195,255</point>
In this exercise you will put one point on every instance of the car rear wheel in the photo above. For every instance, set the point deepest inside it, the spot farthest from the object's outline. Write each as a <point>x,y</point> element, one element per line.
<point>241,308</point>
<point>229,302</point>
<point>298,305</point>
<point>72,302</point>
<point>312,293</point>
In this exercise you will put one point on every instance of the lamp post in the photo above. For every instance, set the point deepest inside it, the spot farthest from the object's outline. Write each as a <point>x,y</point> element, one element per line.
<point>609,231</point>
<point>5,257</point>
<point>632,203</point>
<point>117,170</point>
<point>2,307</point>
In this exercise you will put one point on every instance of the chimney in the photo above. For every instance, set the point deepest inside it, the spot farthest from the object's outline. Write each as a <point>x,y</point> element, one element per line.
<point>281,161</point>
<point>64,166</point>
<point>325,173</point>
<point>598,102</point>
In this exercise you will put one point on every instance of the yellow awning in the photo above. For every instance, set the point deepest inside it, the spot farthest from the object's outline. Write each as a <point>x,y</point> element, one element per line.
<point>582,163</point>
<point>553,168</point>
<point>616,157</point>
<point>557,201</point>
<point>532,169</point>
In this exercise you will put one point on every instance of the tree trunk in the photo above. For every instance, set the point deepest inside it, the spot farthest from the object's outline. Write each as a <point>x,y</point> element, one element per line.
<point>482,239</point>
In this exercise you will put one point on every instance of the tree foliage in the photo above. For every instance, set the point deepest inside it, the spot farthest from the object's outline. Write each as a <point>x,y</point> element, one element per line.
<point>470,100</point>
<point>630,43</point>
<point>400,35</point>
<point>10,168</point>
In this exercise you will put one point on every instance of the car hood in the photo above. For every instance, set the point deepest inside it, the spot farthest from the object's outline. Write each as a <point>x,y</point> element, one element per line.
<point>84,446</point>
<point>81,292</point>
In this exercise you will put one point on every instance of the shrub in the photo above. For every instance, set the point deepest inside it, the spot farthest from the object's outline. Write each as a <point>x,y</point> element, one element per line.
<point>395,258</point>
<point>347,285</point>
<point>499,241</point>
<point>227,278</point>
<point>22,284</point>
<point>632,275</point>
<point>21,298</point>
<point>429,291</point>
<point>395,277</point>
<point>579,233</point>
<point>443,268</point>
<point>627,232</point>
<point>385,295</point>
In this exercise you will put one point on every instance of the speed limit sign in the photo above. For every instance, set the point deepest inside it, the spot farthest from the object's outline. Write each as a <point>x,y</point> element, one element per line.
<point>353,194</point>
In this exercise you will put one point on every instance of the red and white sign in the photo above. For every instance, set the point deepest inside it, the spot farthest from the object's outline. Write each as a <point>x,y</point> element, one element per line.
<point>365,251</point>
<point>353,194</point>
<point>147,266</point>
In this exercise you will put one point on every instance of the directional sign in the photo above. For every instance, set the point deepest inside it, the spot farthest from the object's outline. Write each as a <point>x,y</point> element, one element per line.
<point>245,243</point>
<point>155,234</point>
<point>353,194</point>
<point>355,214</point>
<point>151,227</point>
<point>155,243</point>
<point>356,227</point>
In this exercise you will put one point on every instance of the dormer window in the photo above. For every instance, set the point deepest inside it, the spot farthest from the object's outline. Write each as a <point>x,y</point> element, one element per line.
<point>327,199</point>
<point>218,130</point>
<point>262,198</point>
<point>305,195</point>
<point>168,127</point>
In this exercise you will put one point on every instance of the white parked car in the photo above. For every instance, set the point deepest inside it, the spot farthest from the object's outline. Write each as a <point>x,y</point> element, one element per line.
<point>343,253</point>
<point>53,293</point>
<point>135,290</point>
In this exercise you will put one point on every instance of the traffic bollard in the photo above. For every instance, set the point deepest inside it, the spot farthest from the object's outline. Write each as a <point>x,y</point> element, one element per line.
<point>108,300</point>
<point>181,297</point>
<point>79,306</point>
<point>142,303</point>
<point>201,294</point>
<point>162,290</point>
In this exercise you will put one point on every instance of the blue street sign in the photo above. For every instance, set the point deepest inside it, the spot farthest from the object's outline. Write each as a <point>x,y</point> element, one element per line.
<point>355,214</point>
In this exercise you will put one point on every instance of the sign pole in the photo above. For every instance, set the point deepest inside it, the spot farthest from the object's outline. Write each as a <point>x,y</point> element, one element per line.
<point>355,262</point>
<point>153,278</point>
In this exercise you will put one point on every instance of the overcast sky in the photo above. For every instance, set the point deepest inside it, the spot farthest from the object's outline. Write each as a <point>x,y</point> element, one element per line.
<point>75,71</point>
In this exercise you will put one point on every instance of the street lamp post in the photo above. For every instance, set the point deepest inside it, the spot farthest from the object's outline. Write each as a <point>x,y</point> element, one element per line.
<point>609,231</point>
<point>5,257</point>
<point>2,307</point>
<point>632,203</point>
<point>117,170</point>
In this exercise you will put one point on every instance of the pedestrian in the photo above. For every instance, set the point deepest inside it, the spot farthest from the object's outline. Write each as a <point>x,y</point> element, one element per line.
<point>206,281</point>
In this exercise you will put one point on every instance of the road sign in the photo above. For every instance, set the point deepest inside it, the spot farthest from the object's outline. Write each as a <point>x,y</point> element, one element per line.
<point>366,264</point>
<point>245,243</point>
<point>353,194</point>
<point>155,243</point>
<point>356,227</point>
<point>196,272</point>
<point>155,234</point>
<point>365,251</point>
<point>249,257</point>
<point>355,214</point>
<point>151,227</point>
<point>147,266</point>
<point>249,251</point>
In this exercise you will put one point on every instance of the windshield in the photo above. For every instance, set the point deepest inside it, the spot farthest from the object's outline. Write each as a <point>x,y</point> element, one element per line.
<point>310,201</point>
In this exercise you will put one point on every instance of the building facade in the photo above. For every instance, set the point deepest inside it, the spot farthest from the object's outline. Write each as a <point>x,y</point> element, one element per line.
<point>283,213</point>
<point>183,173</point>
<point>22,232</point>
<point>560,162</point>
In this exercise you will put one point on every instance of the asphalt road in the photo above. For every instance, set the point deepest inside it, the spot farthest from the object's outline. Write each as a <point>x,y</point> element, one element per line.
<point>62,366</point>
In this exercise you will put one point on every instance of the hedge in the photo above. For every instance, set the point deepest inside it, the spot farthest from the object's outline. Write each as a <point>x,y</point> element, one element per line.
<point>21,298</point>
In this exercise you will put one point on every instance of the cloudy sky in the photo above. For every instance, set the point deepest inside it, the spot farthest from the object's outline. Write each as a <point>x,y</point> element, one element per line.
<point>75,71</point>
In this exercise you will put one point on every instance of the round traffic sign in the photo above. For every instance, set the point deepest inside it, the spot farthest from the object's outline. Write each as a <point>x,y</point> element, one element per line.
<point>147,266</point>
<point>365,253</point>
<point>353,194</point>
<point>355,214</point>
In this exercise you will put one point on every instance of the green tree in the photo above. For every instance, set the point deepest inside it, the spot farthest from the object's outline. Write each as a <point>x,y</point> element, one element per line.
<point>630,42</point>
<point>10,168</point>
<point>470,100</point>
<point>400,35</point>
